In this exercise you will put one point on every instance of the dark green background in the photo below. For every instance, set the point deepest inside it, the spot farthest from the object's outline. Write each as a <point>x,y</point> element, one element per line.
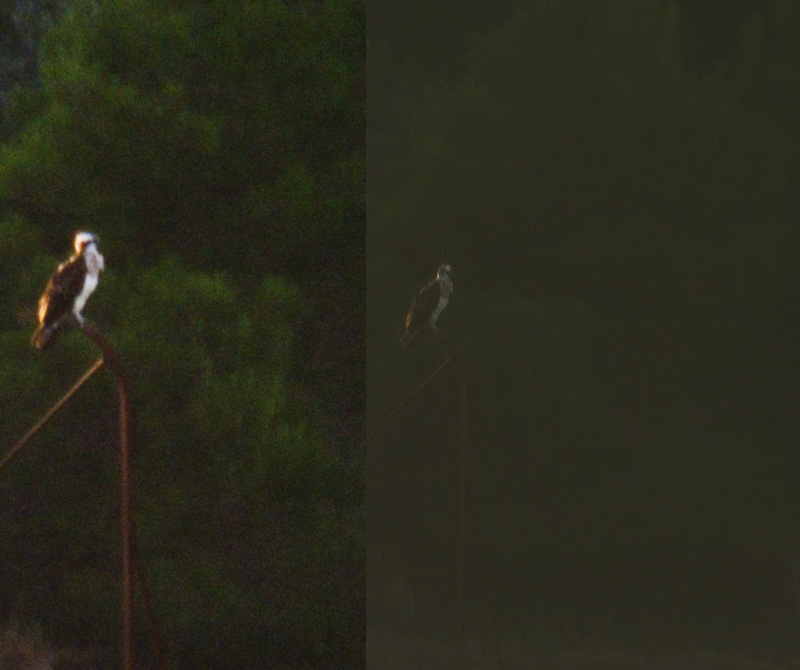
<point>217,149</point>
<point>615,186</point>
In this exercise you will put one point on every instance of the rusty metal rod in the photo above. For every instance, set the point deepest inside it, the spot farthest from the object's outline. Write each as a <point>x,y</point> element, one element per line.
<point>400,406</point>
<point>49,415</point>
<point>113,361</point>
<point>458,364</point>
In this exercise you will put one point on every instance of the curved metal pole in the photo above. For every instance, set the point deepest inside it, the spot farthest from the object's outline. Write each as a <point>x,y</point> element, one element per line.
<point>397,408</point>
<point>49,415</point>
<point>112,360</point>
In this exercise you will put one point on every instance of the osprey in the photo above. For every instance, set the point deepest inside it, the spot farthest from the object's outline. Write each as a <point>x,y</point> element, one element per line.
<point>68,289</point>
<point>428,305</point>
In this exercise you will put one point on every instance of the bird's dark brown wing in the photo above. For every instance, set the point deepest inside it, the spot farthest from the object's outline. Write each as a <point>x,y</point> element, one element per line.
<point>422,307</point>
<point>64,285</point>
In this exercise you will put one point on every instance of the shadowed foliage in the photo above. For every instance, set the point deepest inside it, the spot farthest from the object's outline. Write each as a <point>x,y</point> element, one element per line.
<point>616,197</point>
<point>216,148</point>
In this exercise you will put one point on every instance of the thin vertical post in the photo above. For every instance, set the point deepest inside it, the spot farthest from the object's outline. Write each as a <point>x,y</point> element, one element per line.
<point>462,503</point>
<point>111,358</point>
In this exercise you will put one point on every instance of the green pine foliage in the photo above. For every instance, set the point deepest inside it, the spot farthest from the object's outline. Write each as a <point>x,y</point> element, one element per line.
<point>207,119</point>
<point>217,150</point>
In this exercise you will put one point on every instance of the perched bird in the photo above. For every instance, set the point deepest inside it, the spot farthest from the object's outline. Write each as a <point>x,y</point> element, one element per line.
<point>428,305</point>
<point>68,289</point>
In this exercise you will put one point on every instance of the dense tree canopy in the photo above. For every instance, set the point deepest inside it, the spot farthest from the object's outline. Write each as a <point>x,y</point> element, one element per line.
<point>217,150</point>
<point>616,196</point>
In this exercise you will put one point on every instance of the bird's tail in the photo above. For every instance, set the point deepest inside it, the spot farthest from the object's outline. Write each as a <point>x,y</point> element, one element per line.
<point>43,337</point>
<point>407,338</point>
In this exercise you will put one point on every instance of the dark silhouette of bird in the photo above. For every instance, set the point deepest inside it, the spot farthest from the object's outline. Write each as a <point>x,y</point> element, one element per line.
<point>428,305</point>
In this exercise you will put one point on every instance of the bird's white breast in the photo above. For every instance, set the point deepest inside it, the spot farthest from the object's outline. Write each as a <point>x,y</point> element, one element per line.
<point>89,285</point>
<point>445,289</point>
<point>94,261</point>
<point>94,265</point>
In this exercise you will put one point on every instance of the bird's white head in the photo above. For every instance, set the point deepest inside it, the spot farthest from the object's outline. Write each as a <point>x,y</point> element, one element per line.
<point>443,269</point>
<point>86,245</point>
<point>84,239</point>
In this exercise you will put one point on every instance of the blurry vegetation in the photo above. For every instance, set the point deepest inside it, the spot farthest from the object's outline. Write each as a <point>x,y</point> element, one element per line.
<point>217,150</point>
<point>615,188</point>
